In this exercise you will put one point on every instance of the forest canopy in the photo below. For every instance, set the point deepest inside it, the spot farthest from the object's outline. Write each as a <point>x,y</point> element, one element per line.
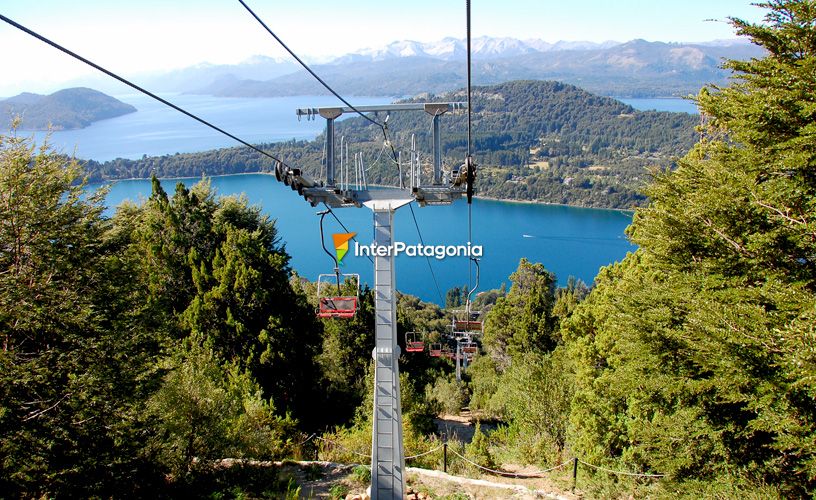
<point>141,349</point>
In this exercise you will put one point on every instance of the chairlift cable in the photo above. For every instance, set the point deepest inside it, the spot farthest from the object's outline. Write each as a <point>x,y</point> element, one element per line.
<point>136,87</point>
<point>427,259</point>
<point>157,98</point>
<point>469,158</point>
<point>322,214</point>
<point>343,226</point>
<point>383,126</point>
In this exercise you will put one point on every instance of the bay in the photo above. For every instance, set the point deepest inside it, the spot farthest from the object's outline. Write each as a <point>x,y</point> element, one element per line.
<point>569,241</point>
<point>156,129</point>
<point>673,104</point>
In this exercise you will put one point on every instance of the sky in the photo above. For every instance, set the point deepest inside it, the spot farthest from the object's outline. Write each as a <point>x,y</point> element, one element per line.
<point>136,37</point>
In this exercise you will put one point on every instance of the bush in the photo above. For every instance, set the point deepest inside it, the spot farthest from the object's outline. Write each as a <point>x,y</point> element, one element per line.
<point>478,450</point>
<point>205,410</point>
<point>447,395</point>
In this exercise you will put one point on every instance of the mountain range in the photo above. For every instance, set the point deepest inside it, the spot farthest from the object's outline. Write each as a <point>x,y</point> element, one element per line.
<point>637,68</point>
<point>484,48</point>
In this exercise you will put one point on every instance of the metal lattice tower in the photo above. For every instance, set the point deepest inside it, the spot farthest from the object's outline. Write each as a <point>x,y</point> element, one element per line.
<point>387,454</point>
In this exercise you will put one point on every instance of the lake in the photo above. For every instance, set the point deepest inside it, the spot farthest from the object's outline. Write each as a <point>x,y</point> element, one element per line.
<point>156,130</point>
<point>568,241</point>
<point>673,104</point>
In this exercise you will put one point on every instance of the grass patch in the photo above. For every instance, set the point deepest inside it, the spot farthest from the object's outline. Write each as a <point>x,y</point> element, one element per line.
<point>338,491</point>
<point>360,475</point>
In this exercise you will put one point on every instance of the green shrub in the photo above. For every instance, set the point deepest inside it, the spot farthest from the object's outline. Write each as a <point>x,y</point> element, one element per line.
<point>205,410</point>
<point>448,395</point>
<point>338,491</point>
<point>361,475</point>
<point>478,450</point>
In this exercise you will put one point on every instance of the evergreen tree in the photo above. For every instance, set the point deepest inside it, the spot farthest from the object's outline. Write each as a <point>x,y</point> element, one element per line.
<point>76,359</point>
<point>453,298</point>
<point>694,356</point>
<point>523,321</point>
<point>217,271</point>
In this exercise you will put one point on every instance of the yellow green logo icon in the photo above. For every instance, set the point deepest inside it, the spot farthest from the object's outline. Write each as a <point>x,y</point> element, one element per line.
<point>341,244</point>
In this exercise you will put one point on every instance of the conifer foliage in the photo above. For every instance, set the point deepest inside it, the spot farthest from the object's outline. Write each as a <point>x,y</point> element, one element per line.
<point>143,344</point>
<point>695,355</point>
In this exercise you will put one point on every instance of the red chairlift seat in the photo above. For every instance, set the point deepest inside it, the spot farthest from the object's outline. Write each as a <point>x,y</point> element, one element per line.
<point>466,322</point>
<point>468,326</point>
<point>470,348</point>
<point>337,305</point>
<point>412,344</point>
<point>435,350</point>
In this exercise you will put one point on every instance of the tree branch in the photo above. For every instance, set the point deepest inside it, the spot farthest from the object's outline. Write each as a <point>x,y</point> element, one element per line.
<point>739,248</point>
<point>37,414</point>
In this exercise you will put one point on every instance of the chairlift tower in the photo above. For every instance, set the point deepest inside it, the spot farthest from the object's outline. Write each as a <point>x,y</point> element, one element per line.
<point>387,454</point>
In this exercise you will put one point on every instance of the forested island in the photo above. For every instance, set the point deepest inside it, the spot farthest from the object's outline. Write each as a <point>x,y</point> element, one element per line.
<point>536,141</point>
<point>169,350</point>
<point>63,110</point>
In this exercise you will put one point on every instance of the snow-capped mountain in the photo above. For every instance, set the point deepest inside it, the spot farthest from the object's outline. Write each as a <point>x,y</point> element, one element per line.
<point>542,46</point>
<point>449,49</point>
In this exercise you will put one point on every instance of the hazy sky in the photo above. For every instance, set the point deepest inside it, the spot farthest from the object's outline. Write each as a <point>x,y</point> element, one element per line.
<point>136,36</point>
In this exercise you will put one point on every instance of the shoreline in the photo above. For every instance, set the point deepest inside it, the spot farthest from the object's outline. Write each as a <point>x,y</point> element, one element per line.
<point>111,181</point>
<point>480,197</point>
<point>538,202</point>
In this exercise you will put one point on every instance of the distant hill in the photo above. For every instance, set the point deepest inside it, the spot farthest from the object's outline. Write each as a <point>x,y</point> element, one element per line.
<point>542,141</point>
<point>534,141</point>
<point>633,69</point>
<point>66,109</point>
<point>186,79</point>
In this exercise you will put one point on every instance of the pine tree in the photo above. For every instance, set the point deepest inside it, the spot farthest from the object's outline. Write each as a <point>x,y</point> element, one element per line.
<point>694,356</point>
<point>76,361</point>
<point>523,321</point>
<point>216,271</point>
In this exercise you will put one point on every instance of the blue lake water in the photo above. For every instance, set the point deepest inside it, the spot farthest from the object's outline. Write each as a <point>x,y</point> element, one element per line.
<point>673,104</point>
<point>568,241</point>
<point>156,129</point>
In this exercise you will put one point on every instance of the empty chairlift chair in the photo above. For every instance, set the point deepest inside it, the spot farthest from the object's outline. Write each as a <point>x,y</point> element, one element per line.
<point>470,347</point>
<point>337,295</point>
<point>414,342</point>
<point>435,350</point>
<point>467,323</point>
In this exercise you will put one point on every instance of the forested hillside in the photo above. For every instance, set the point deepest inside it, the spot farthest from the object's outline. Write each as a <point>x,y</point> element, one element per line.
<point>548,142</point>
<point>535,141</point>
<point>140,350</point>
<point>66,109</point>
<point>694,356</point>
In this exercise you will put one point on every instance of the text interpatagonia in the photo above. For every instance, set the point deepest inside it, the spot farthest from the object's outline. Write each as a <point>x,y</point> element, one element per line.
<point>418,250</point>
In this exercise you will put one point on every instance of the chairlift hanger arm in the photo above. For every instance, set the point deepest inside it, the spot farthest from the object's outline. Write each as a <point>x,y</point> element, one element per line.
<point>323,244</point>
<point>433,108</point>
<point>476,261</point>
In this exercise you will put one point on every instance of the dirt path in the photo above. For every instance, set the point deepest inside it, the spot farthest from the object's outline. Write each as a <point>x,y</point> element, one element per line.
<point>460,427</point>
<point>439,484</point>
<point>320,479</point>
